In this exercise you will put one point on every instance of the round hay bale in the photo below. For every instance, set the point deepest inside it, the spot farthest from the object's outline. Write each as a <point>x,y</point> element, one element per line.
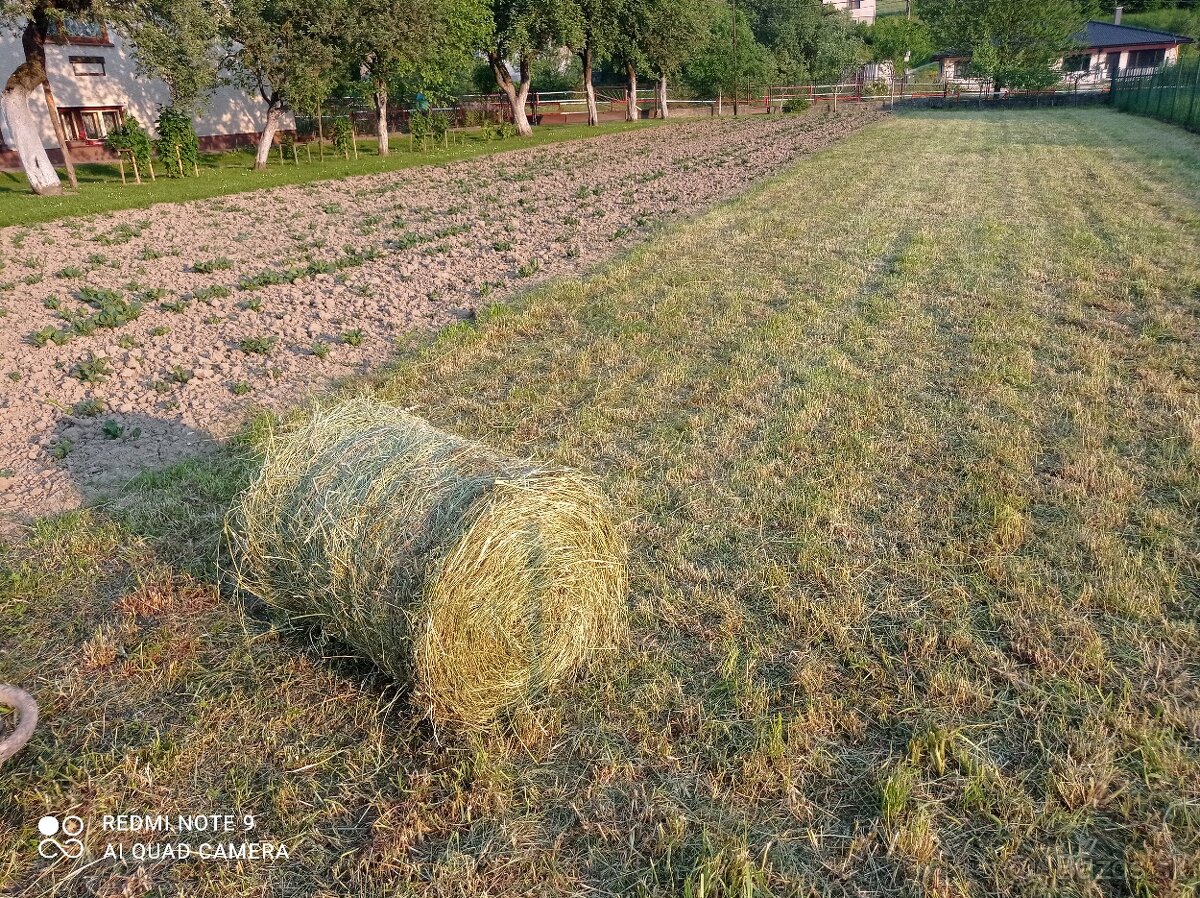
<point>478,579</point>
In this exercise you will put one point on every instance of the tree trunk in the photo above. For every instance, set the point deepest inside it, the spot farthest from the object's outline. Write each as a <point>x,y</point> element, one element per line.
<point>274,114</point>
<point>664,110</point>
<point>631,104</point>
<point>589,88</point>
<point>516,95</point>
<point>14,103</point>
<point>381,122</point>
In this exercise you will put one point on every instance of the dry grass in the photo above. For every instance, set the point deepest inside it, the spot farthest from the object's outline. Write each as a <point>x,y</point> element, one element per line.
<point>479,579</point>
<point>911,441</point>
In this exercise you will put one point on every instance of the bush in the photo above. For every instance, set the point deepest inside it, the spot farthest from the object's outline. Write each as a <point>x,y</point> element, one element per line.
<point>130,137</point>
<point>797,104</point>
<point>343,135</point>
<point>497,130</point>
<point>439,125</point>
<point>420,126</point>
<point>175,133</point>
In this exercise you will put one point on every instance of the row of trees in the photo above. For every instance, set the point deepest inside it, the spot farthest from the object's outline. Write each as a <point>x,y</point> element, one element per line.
<point>294,53</point>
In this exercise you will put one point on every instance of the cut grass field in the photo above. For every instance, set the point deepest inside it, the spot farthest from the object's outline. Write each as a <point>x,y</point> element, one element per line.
<point>222,174</point>
<point>910,456</point>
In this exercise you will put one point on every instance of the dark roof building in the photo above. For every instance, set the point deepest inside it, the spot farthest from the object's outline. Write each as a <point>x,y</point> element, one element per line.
<point>1106,35</point>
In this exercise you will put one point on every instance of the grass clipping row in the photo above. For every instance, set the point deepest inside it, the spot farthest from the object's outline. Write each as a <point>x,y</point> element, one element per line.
<point>478,579</point>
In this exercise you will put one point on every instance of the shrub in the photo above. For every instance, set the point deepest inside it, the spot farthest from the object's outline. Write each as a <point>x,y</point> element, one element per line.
<point>497,130</point>
<point>175,132</point>
<point>796,104</point>
<point>439,125</point>
<point>420,126</point>
<point>130,137</point>
<point>343,135</point>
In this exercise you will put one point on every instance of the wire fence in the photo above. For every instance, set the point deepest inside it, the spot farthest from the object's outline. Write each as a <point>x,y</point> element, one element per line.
<point>941,92</point>
<point>1170,95</point>
<point>470,110</point>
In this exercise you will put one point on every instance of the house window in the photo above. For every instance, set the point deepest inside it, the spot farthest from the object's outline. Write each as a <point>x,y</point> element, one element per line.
<point>1146,59</point>
<point>856,4</point>
<point>961,68</point>
<point>84,66</point>
<point>90,124</point>
<point>1080,62</point>
<point>79,30</point>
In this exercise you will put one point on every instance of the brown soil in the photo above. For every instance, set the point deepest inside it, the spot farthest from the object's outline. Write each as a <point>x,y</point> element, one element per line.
<point>416,249</point>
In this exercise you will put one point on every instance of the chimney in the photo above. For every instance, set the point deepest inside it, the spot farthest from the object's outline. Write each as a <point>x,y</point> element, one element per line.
<point>1117,15</point>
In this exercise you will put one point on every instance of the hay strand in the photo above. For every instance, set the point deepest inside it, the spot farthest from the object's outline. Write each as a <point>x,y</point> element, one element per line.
<point>478,579</point>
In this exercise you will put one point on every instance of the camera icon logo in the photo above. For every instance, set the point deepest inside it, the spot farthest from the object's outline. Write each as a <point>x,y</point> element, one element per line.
<point>70,847</point>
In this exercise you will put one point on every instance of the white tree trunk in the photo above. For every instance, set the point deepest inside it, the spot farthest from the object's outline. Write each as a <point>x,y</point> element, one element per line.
<point>664,110</point>
<point>381,122</point>
<point>590,89</point>
<point>631,104</point>
<point>519,116</point>
<point>14,103</point>
<point>516,96</point>
<point>274,114</point>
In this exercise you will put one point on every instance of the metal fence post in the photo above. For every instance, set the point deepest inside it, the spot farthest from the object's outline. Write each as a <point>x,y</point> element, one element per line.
<point>1191,121</point>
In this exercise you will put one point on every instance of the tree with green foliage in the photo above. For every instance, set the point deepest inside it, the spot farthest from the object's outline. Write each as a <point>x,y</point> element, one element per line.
<point>417,41</point>
<point>716,68</point>
<point>178,42</point>
<point>626,53</point>
<point>599,24</point>
<point>672,31</point>
<point>899,41</point>
<point>809,40</point>
<point>282,49</point>
<point>523,29</point>
<point>1012,42</point>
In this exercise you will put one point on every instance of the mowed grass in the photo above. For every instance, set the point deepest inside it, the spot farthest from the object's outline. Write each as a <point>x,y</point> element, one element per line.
<point>222,174</point>
<point>908,442</point>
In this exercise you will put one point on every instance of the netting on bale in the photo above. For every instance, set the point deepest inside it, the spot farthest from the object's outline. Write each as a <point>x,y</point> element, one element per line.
<point>478,579</point>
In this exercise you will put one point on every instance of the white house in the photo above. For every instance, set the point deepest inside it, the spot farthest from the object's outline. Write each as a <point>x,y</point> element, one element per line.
<point>860,10</point>
<point>95,84</point>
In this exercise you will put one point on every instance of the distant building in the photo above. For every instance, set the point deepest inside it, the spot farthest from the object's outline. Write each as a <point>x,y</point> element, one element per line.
<point>96,85</point>
<point>860,10</point>
<point>1104,48</point>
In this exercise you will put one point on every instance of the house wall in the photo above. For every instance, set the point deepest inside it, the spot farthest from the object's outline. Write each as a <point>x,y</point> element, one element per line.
<point>230,117</point>
<point>865,11</point>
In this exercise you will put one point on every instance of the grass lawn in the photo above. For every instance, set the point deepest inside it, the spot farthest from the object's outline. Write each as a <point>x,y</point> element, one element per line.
<point>101,189</point>
<point>910,455</point>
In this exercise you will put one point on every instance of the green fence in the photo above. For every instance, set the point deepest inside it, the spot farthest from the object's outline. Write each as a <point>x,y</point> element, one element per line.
<point>1171,94</point>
